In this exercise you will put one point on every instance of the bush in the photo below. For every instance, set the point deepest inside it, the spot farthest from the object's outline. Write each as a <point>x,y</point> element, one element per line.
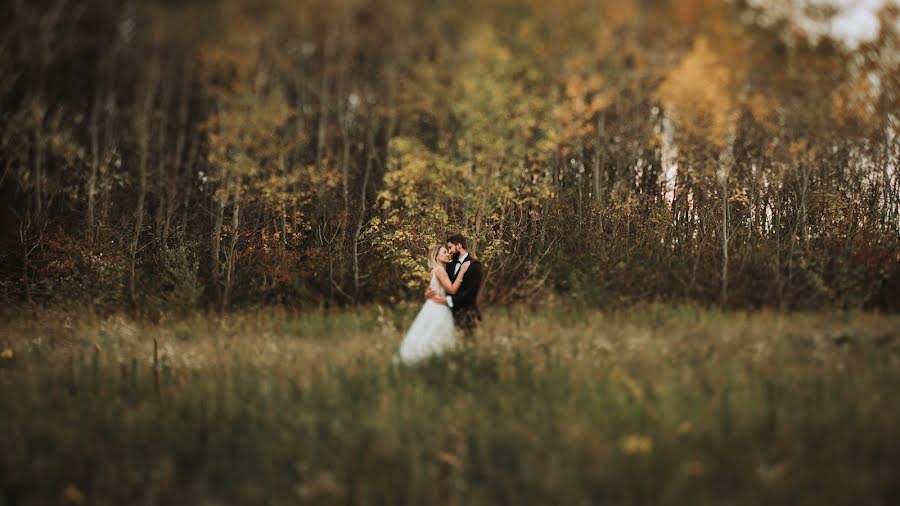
<point>173,284</point>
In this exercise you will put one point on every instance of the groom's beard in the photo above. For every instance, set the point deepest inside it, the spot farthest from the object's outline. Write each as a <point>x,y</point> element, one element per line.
<point>455,256</point>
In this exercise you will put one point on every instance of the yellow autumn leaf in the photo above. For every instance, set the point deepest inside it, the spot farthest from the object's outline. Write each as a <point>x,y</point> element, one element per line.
<point>636,444</point>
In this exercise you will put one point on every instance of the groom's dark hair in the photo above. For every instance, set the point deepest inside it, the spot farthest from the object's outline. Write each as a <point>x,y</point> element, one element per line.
<point>458,239</point>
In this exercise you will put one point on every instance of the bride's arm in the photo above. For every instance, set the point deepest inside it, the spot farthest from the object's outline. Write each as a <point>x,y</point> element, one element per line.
<point>444,279</point>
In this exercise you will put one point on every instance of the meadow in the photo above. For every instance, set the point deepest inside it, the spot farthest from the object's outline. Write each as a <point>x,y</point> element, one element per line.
<point>654,404</point>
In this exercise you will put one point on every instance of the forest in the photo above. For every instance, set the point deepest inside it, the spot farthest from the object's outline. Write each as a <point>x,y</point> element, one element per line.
<point>215,218</point>
<point>159,156</point>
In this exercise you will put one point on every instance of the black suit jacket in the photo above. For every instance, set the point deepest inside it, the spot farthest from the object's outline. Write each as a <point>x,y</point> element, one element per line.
<point>466,298</point>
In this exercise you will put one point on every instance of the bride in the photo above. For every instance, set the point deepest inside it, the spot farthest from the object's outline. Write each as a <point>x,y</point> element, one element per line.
<point>432,330</point>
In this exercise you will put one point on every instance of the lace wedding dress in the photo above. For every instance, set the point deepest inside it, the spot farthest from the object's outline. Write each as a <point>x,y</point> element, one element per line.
<point>431,332</point>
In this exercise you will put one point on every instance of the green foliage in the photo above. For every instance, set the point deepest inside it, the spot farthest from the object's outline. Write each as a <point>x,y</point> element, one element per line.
<point>177,284</point>
<point>482,168</point>
<point>421,190</point>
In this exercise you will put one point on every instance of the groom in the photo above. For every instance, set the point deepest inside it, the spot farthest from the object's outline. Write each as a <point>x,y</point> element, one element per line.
<point>464,303</point>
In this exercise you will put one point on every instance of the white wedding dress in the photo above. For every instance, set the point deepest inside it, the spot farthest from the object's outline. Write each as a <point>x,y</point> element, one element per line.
<point>431,332</point>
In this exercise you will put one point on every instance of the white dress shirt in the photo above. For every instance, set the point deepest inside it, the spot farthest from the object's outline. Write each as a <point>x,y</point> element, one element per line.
<point>459,263</point>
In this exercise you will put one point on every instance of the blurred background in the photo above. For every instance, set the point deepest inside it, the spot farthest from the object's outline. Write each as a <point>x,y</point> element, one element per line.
<point>164,155</point>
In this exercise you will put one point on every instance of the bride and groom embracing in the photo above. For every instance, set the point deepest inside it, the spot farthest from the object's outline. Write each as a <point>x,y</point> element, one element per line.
<point>452,302</point>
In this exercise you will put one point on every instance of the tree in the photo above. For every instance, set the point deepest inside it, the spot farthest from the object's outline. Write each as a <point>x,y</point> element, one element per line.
<point>700,94</point>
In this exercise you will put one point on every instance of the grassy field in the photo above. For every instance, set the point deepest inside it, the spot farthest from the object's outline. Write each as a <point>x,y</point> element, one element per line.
<point>649,405</point>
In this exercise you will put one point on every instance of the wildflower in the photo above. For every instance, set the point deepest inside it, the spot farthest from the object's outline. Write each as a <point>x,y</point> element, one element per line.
<point>770,474</point>
<point>7,353</point>
<point>635,444</point>
<point>72,495</point>
<point>449,459</point>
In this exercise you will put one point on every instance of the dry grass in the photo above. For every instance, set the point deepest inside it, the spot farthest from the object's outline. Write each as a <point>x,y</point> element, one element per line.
<point>649,405</point>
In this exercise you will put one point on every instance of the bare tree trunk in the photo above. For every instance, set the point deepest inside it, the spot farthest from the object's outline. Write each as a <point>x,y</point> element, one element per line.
<point>177,164</point>
<point>161,160</point>
<point>139,211</point>
<point>579,183</point>
<point>804,198</point>
<point>101,134</point>
<point>39,112</point>
<point>777,211</point>
<point>189,164</point>
<point>26,255</point>
<point>216,238</point>
<point>887,186</point>
<point>344,217</point>
<point>346,105</point>
<point>894,213</point>
<point>323,100</point>
<point>345,119</point>
<point>725,238</point>
<point>232,247</point>
<point>111,160</point>
<point>392,101</point>
<point>46,48</point>
<point>91,190</point>
<point>479,212</point>
<point>597,182</point>
<point>142,131</point>
<point>283,207</point>
<point>361,219</point>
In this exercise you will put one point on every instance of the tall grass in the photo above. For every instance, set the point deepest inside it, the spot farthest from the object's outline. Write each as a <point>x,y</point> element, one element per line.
<point>649,405</point>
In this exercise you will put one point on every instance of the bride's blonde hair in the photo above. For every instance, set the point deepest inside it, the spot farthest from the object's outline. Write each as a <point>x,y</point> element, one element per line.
<point>432,255</point>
